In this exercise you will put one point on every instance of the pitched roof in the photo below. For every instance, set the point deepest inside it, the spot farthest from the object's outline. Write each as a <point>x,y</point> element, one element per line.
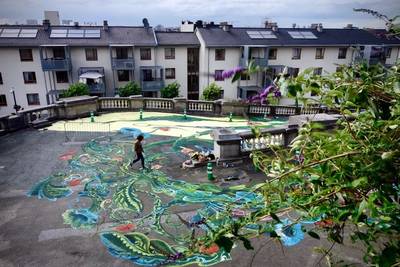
<point>177,38</point>
<point>138,36</point>
<point>215,36</point>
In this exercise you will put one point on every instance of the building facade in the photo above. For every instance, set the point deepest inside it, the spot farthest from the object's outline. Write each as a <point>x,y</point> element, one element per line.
<point>38,62</point>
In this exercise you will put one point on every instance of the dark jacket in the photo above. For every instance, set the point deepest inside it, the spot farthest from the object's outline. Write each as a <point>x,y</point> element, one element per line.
<point>138,147</point>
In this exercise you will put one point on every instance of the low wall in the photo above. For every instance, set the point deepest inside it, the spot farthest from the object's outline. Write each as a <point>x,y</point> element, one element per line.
<point>230,145</point>
<point>82,106</point>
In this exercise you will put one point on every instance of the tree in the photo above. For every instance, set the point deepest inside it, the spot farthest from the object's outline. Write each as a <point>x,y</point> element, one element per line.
<point>76,89</point>
<point>212,92</point>
<point>171,90</point>
<point>131,88</point>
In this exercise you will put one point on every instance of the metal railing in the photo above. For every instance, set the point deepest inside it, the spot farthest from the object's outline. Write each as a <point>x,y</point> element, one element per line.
<point>85,131</point>
<point>51,64</point>
<point>155,85</point>
<point>123,64</point>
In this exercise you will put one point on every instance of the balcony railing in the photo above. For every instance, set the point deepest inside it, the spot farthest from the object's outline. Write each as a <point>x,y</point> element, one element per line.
<point>123,64</point>
<point>51,64</point>
<point>96,88</point>
<point>262,62</point>
<point>155,85</point>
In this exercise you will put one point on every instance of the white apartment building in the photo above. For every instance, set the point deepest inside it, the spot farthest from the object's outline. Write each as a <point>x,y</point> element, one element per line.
<point>38,62</point>
<point>224,47</point>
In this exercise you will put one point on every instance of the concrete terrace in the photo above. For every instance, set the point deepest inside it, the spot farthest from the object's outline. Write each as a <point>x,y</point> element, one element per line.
<point>32,230</point>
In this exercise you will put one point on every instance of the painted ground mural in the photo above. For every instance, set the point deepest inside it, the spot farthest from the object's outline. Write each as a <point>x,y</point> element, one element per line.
<point>141,210</point>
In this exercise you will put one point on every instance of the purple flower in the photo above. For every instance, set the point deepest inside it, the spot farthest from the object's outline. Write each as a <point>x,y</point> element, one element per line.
<point>277,94</point>
<point>229,73</point>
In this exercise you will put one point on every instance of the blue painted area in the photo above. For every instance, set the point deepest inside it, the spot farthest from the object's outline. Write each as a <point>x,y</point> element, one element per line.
<point>133,132</point>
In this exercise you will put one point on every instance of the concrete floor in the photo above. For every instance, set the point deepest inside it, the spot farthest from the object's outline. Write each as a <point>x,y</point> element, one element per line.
<point>32,232</point>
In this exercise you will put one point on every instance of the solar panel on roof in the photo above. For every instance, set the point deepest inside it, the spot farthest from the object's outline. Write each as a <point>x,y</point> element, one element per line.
<point>28,33</point>
<point>58,33</point>
<point>302,35</point>
<point>75,33</point>
<point>261,34</point>
<point>10,33</point>
<point>92,33</point>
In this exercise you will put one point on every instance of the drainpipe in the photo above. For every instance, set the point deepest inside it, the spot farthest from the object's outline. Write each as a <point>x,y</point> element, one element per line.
<point>208,67</point>
<point>112,69</point>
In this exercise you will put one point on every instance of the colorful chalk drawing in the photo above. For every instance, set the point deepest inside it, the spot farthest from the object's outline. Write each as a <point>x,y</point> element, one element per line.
<point>140,207</point>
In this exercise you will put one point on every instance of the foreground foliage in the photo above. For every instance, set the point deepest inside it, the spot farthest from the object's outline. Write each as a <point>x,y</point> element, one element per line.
<point>346,180</point>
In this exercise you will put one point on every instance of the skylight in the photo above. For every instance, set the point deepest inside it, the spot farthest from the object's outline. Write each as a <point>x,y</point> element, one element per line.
<point>261,34</point>
<point>302,35</point>
<point>75,33</point>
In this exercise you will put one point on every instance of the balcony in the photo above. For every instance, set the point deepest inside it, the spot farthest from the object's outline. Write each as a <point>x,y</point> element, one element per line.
<point>123,64</point>
<point>154,85</point>
<point>52,64</point>
<point>261,62</point>
<point>96,88</point>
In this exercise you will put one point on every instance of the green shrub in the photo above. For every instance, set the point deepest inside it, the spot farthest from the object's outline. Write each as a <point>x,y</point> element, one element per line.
<point>131,88</point>
<point>212,92</point>
<point>171,90</point>
<point>76,89</point>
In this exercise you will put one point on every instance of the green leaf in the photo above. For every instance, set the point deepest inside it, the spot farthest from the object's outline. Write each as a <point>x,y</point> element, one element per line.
<point>360,181</point>
<point>343,215</point>
<point>236,76</point>
<point>313,234</point>
<point>246,243</point>
<point>276,218</point>
<point>225,243</point>
<point>273,234</point>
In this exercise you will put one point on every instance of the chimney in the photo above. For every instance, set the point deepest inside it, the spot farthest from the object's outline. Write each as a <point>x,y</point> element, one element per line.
<point>46,24</point>
<point>294,25</point>
<point>274,26</point>
<point>225,26</point>
<point>349,26</point>
<point>146,23</point>
<point>319,27</point>
<point>105,25</point>
<point>76,24</point>
<point>314,25</point>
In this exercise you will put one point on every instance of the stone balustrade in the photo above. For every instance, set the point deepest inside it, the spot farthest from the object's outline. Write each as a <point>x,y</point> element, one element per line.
<point>158,104</point>
<point>200,106</point>
<point>82,106</point>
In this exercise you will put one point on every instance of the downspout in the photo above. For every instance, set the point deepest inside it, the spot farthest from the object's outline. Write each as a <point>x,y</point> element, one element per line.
<point>155,58</point>
<point>208,66</point>
<point>112,69</point>
<point>44,75</point>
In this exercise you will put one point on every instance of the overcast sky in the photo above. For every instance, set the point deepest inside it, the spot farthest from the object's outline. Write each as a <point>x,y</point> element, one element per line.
<point>332,13</point>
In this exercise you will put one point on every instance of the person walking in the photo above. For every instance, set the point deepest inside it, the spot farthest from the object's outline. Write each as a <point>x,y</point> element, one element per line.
<point>139,151</point>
